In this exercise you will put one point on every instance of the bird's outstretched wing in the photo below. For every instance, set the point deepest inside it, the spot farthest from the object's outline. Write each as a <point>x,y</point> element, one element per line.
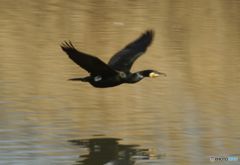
<point>124,59</point>
<point>92,64</point>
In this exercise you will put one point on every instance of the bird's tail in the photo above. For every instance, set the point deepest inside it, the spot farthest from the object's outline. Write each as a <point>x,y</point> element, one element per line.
<point>85,79</point>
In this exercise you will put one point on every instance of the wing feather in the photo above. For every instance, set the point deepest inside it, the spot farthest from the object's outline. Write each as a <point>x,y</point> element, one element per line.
<point>124,59</point>
<point>90,63</point>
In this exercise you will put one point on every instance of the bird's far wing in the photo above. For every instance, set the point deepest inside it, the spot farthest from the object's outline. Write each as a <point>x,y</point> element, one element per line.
<point>124,59</point>
<point>92,64</point>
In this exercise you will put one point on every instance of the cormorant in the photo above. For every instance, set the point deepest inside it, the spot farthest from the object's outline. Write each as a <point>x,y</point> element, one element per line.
<point>117,71</point>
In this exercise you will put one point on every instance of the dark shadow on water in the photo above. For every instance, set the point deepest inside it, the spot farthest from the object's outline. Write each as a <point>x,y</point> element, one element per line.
<point>108,151</point>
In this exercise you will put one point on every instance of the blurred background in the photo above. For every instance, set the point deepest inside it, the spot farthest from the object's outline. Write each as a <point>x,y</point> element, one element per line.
<point>183,118</point>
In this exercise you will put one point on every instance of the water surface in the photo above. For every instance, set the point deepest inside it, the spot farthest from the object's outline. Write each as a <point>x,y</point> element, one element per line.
<point>183,118</point>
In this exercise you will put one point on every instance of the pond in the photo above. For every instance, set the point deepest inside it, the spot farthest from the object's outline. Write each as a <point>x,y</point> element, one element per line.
<point>189,117</point>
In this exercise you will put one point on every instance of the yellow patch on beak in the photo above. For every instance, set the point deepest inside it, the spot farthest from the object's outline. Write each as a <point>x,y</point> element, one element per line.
<point>153,75</point>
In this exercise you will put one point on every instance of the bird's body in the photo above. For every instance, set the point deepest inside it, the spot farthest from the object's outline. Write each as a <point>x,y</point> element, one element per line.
<point>103,82</point>
<point>117,71</point>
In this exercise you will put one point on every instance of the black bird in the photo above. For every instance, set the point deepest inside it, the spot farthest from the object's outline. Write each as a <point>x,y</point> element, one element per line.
<point>117,71</point>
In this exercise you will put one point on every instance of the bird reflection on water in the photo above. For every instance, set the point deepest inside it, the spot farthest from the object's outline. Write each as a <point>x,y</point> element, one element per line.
<point>106,151</point>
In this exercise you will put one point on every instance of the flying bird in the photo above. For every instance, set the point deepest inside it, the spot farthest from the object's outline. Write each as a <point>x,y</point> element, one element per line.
<point>117,70</point>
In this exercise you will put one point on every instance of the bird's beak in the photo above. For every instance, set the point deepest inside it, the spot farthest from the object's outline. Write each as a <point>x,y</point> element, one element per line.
<point>156,74</point>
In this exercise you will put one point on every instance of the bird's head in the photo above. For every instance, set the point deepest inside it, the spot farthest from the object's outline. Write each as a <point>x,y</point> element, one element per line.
<point>152,73</point>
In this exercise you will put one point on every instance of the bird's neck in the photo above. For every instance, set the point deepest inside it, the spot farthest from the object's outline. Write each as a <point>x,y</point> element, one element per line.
<point>135,77</point>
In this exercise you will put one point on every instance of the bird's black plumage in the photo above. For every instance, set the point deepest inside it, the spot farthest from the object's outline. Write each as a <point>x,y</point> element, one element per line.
<point>117,71</point>
<point>90,63</point>
<point>124,59</point>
